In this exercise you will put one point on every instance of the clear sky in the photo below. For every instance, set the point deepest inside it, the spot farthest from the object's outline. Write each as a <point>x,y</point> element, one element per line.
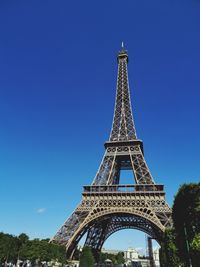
<point>57,86</point>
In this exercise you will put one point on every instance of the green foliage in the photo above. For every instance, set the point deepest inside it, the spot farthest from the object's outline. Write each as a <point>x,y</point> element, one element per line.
<point>186,217</point>
<point>13,248</point>
<point>42,250</point>
<point>23,238</point>
<point>86,259</point>
<point>195,246</point>
<point>120,258</point>
<point>195,249</point>
<point>168,252</point>
<point>9,247</point>
<point>116,259</point>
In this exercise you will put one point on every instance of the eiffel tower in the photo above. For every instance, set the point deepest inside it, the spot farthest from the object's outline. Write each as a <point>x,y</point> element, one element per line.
<point>108,206</point>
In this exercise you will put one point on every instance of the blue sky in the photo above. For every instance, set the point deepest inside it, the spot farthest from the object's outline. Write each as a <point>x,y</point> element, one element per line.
<point>57,86</point>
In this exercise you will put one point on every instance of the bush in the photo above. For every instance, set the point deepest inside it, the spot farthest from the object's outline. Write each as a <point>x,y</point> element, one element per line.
<point>86,259</point>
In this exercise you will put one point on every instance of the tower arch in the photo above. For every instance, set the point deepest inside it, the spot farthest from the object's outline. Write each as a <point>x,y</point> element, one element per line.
<point>102,225</point>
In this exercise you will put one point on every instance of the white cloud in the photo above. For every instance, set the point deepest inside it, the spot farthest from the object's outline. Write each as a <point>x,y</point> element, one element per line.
<point>41,210</point>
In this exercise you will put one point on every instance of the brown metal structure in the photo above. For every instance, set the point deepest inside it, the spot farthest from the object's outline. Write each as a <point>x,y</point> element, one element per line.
<point>106,205</point>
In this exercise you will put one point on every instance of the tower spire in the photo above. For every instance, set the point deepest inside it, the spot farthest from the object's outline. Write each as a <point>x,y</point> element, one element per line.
<point>123,128</point>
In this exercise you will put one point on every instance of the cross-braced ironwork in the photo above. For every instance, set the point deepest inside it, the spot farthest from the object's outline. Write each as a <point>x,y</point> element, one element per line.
<point>106,205</point>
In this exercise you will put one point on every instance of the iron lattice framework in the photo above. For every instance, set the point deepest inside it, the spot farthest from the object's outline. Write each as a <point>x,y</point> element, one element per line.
<point>107,206</point>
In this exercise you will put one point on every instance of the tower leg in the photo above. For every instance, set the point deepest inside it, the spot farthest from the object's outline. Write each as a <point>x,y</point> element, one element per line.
<point>96,237</point>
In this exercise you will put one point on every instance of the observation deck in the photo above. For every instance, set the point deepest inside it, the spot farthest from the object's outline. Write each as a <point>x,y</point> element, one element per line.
<point>124,188</point>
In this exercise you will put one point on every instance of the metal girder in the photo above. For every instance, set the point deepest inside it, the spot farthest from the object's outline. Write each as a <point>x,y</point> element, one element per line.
<point>120,157</point>
<point>64,234</point>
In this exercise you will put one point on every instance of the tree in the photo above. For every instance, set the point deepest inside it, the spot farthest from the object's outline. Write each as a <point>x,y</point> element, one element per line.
<point>115,258</point>
<point>186,217</point>
<point>120,258</point>
<point>168,251</point>
<point>9,246</point>
<point>87,258</point>
<point>23,238</point>
<point>13,248</point>
<point>42,250</point>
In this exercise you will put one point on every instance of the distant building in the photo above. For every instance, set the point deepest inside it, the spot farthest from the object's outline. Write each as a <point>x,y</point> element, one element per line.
<point>156,257</point>
<point>130,254</point>
<point>111,251</point>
